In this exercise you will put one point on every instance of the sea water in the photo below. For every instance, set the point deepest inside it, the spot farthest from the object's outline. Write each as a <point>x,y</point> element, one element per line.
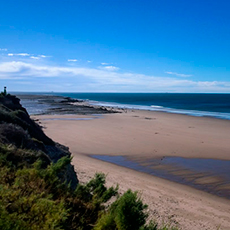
<point>210,175</point>
<point>212,105</point>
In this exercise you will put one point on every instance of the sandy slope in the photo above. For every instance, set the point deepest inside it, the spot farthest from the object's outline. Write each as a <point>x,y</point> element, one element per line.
<point>150,134</point>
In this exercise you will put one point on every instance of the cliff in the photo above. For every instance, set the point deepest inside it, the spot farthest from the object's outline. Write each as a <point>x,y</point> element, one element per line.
<point>19,130</point>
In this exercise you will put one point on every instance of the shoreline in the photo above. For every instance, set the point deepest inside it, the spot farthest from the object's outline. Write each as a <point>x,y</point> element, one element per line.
<point>82,106</point>
<point>146,135</point>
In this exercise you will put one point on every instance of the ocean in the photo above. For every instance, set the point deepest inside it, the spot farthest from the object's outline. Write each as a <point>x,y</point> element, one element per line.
<point>210,105</point>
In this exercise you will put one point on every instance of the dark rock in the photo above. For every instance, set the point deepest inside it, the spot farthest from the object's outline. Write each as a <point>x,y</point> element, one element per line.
<point>19,130</point>
<point>64,105</point>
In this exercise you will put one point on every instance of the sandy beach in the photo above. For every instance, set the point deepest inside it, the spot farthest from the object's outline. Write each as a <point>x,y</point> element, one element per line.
<point>145,135</point>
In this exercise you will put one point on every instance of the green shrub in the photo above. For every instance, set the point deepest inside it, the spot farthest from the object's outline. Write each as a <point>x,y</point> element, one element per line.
<point>95,190</point>
<point>36,197</point>
<point>88,201</point>
<point>25,203</point>
<point>22,210</point>
<point>126,213</point>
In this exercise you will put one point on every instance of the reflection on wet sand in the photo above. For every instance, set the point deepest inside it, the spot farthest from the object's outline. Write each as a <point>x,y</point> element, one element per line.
<point>209,175</point>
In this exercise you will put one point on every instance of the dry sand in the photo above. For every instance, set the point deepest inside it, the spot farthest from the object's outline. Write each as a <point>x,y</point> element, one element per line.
<point>147,135</point>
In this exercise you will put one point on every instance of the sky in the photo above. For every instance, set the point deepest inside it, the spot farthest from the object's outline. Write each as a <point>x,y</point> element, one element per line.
<point>115,46</point>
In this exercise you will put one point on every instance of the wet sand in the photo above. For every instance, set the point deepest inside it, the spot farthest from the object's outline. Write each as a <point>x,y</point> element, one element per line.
<point>209,175</point>
<point>141,136</point>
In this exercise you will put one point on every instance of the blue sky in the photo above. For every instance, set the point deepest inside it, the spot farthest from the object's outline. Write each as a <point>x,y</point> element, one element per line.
<point>115,45</point>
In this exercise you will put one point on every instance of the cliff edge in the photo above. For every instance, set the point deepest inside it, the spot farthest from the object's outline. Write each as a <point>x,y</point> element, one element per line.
<point>20,131</point>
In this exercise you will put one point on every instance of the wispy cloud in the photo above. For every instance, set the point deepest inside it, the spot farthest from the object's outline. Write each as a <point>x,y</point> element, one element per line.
<point>43,56</point>
<point>3,49</point>
<point>72,60</point>
<point>179,74</point>
<point>23,54</point>
<point>104,63</point>
<point>33,57</point>
<point>37,57</point>
<point>89,61</point>
<point>93,79</point>
<point>109,68</point>
<point>19,54</point>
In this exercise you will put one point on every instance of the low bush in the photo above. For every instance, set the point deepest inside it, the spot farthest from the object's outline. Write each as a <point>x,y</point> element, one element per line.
<point>32,196</point>
<point>127,212</point>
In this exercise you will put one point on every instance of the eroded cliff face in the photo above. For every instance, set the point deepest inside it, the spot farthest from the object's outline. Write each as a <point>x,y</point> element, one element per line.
<point>19,130</point>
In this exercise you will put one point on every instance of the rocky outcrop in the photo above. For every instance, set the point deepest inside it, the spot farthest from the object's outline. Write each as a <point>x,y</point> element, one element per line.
<point>19,130</point>
<point>51,104</point>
